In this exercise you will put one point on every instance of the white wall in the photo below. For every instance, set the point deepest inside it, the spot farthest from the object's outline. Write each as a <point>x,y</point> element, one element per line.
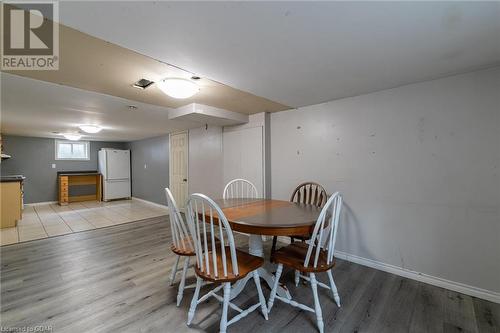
<point>243,156</point>
<point>244,152</point>
<point>210,159</point>
<point>205,161</point>
<point>419,167</point>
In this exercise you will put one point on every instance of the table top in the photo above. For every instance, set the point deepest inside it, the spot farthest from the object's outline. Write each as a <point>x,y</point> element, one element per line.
<point>269,217</point>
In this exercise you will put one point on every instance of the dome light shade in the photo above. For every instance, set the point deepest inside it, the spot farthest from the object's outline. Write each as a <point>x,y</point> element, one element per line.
<point>72,136</point>
<point>178,88</point>
<point>90,128</point>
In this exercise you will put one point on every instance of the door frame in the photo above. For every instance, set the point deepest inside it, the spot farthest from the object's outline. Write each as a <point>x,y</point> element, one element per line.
<point>170,161</point>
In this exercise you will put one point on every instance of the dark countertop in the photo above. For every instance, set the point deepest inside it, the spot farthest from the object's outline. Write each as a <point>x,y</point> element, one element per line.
<point>77,173</point>
<point>13,178</point>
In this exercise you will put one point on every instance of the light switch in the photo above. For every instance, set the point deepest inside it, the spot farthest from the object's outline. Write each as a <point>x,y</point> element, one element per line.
<point>145,166</point>
<point>53,166</point>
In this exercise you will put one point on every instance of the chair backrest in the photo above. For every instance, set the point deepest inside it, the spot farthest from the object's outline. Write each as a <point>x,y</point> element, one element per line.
<point>240,188</point>
<point>179,229</point>
<point>203,216</point>
<point>309,193</point>
<point>325,231</point>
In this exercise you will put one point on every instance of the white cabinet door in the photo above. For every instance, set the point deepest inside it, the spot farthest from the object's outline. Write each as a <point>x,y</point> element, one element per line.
<point>243,156</point>
<point>118,164</point>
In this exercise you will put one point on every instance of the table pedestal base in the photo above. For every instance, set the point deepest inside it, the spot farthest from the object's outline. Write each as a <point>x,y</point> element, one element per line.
<point>256,248</point>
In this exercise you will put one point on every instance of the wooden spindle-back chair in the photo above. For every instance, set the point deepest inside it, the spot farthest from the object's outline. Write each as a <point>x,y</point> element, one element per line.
<point>309,193</point>
<point>218,260</point>
<point>182,244</point>
<point>313,257</point>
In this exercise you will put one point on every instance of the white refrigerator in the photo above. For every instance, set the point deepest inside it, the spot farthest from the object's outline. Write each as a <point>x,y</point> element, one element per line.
<point>114,165</point>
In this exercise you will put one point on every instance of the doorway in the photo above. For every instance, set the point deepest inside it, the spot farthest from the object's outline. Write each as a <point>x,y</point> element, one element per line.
<point>179,167</point>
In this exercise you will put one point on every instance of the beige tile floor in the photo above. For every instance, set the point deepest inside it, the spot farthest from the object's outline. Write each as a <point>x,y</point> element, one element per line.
<point>47,220</point>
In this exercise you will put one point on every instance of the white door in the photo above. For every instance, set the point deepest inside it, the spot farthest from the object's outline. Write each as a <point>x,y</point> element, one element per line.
<point>243,156</point>
<point>179,167</point>
<point>118,164</point>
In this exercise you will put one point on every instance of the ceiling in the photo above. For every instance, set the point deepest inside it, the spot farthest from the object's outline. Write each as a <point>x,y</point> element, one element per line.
<point>252,57</point>
<point>52,107</point>
<point>93,64</point>
<point>302,53</point>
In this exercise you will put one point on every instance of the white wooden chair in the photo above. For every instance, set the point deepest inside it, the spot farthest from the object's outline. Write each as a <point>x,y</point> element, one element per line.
<point>240,188</point>
<point>219,262</point>
<point>313,257</point>
<point>182,244</point>
<point>309,193</point>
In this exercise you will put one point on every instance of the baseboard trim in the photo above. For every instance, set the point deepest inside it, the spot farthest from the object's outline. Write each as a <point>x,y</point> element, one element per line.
<point>433,280</point>
<point>40,203</point>
<point>151,203</point>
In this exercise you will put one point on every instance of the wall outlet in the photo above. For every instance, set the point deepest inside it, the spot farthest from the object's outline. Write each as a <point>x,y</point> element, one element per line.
<point>53,166</point>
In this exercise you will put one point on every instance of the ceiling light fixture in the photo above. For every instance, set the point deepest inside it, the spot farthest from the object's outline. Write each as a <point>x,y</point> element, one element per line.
<point>90,128</point>
<point>72,136</point>
<point>178,88</point>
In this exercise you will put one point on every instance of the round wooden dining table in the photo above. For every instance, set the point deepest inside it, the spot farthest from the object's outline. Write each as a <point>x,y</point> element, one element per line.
<point>258,217</point>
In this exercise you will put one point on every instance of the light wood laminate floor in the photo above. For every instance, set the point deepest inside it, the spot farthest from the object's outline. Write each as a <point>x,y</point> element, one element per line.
<point>48,220</point>
<point>115,279</point>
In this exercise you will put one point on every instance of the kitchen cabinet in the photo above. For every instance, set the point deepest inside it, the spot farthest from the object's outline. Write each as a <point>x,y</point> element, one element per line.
<point>11,201</point>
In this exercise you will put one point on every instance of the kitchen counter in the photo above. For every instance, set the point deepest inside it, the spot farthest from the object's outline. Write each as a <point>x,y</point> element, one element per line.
<point>11,200</point>
<point>15,178</point>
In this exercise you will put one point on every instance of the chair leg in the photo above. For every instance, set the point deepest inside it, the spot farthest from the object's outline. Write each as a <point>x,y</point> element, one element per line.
<point>297,278</point>
<point>180,293</point>
<point>333,287</point>
<point>275,287</point>
<point>317,306</point>
<point>174,270</point>
<point>225,305</point>
<point>194,301</point>
<point>262,300</point>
